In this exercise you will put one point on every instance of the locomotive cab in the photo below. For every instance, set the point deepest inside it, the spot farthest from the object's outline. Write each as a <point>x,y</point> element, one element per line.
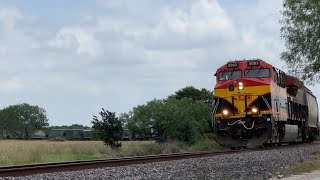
<point>255,104</point>
<point>242,96</point>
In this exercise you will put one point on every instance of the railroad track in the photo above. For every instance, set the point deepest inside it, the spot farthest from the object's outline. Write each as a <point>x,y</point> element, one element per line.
<point>24,170</point>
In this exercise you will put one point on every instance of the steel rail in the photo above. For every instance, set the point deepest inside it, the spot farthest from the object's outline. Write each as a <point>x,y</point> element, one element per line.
<point>24,170</point>
<point>29,169</point>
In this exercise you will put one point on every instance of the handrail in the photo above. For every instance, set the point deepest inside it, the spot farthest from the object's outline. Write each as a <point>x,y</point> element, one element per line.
<point>213,123</point>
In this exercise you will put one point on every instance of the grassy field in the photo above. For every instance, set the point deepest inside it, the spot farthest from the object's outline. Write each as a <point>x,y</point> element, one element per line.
<point>14,152</point>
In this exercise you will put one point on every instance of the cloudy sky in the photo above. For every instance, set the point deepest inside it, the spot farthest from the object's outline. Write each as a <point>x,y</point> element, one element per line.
<point>75,57</point>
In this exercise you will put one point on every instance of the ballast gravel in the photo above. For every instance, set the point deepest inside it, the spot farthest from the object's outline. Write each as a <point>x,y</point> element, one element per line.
<point>247,165</point>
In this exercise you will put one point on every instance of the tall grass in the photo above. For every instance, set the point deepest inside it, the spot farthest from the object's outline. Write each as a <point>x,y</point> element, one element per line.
<point>14,152</point>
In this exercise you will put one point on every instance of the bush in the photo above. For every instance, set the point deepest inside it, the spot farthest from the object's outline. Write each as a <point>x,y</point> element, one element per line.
<point>206,145</point>
<point>109,128</point>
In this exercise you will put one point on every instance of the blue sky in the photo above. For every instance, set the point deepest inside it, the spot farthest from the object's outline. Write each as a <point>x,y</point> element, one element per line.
<point>75,57</point>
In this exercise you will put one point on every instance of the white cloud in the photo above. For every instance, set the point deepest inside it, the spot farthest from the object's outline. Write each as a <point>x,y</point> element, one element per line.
<point>11,86</point>
<point>3,51</point>
<point>202,24</point>
<point>9,17</point>
<point>79,39</point>
<point>64,41</point>
<point>128,52</point>
<point>203,20</point>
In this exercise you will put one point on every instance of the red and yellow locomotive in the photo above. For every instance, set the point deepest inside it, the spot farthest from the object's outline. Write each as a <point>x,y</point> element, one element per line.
<point>256,104</point>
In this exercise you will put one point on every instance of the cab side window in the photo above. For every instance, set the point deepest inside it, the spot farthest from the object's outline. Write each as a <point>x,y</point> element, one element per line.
<point>279,77</point>
<point>275,75</point>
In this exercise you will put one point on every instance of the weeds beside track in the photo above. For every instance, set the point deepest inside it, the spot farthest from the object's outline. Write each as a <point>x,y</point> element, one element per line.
<point>23,170</point>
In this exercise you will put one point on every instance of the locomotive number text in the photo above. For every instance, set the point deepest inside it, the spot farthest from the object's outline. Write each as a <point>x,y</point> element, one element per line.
<point>253,63</point>
<point>232,65</point>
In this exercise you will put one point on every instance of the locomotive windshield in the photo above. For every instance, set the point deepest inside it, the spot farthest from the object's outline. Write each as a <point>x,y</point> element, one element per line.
<point>227,75</point>
<point>257,73</point>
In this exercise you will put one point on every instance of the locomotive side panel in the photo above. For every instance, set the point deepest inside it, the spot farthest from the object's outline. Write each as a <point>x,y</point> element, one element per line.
<point>279,97</point>
<point>312,110</point>
<point>301,96</point>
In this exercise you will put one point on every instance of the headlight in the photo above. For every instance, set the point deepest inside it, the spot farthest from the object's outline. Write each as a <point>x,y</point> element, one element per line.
<point>225,112</point>
<point>254,110</point>
<point>241,87</point>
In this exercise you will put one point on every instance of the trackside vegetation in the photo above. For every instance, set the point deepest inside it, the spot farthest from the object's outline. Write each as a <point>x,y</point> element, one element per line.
<point>109,128</point>
<point>22,120</point>
<point>301,32</point>
<point>304,166</point>
<point>183,116</point>
<point>178,123</point>
<point>15,152</point>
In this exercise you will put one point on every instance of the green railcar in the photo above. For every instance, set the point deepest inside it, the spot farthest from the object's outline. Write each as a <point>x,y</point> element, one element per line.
<point>70,134</point>
<point>53,133</point>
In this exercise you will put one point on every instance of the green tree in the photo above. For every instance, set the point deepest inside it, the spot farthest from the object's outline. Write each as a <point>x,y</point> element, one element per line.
<point>188,92</point>
<point>23,119</point>
<point>73,126</point>
<point>187,120</point>
<point>78,126</point>
<point>141,119</point>
<point>171,119</point>
<point>301,31</point>
<point>195,94</point>
<point>125,119</point>
<point>59,127</point>
<point>109,128</point>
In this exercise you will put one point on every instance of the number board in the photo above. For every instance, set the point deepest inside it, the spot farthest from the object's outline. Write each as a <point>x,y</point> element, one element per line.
<point>253,63</point>
<point>241,97</point>
<point>232,65</point>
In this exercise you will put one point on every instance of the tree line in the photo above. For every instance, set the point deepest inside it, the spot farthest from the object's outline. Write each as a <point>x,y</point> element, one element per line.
<point>183,116</point>
<point>22,120</point>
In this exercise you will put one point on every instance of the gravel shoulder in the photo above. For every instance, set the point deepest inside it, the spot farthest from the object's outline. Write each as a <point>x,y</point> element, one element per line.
<point>247,165</point>
<point>309,176</point>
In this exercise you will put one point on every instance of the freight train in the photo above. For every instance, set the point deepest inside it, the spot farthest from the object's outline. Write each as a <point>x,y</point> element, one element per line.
<point>257,104</point>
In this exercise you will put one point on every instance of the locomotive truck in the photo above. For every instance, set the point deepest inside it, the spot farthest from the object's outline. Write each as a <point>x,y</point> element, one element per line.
<point>257,104</point>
